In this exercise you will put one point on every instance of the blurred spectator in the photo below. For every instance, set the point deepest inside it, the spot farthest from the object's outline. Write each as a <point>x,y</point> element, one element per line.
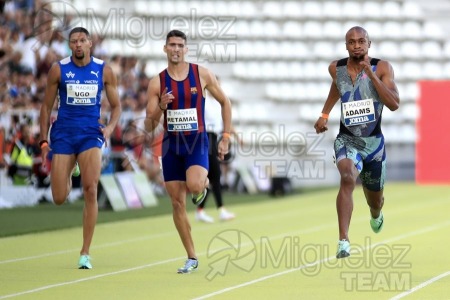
<point>139,153</point>
<point>59,44</point>
<point>46,63</point>
<point>116,65</point>
<point>29,45</point>
<point>22,155</point>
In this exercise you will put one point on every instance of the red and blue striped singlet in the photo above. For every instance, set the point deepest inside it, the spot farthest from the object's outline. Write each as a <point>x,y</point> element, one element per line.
<point>186,114</point>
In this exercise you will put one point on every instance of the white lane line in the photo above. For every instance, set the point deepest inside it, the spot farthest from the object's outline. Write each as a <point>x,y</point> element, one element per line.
<point>418,232</point>
<point>90,278</point>
<point>422,285</point>
<point>394,239</point>
<point>280,236</point>
<point>138,239</point>
<point>425,230</point>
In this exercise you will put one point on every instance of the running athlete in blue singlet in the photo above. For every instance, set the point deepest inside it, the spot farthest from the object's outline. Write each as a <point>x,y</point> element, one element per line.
<point>176,94</point>
<point>76,135</point>
<point>364,85</point>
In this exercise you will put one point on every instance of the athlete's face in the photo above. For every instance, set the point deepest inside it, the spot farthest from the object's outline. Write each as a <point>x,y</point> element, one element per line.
<point>175,49</point>
<point>80,45</point>
<point>357,44</point>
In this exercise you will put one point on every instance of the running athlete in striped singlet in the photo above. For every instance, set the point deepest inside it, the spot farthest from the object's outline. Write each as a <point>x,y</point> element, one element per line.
<point>77,136</point>
<point>177,95</point>
<point>364,85</point>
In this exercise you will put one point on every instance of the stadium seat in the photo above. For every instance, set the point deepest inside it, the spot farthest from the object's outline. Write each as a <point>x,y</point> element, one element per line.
<point>292,9</point>
<point>234,8</point>
<point>184,8</point>
<point>432,49</point>
<point>446,49</point>
<point>292,29</point>
<point>372,9</point>
<point>312,29</point>
<point>433,70</point>
<point>312,9</point>
<point>259,49</point>
<point>411,70</point>
<point>333,29</point>
<point>393,30</point>
<point>409,112</point>
<point>272,9</point>
<point>272,49</point>
<point>324,50</point>
<point>375,29</point>
<point>411,50</point>
<point>247,9</point>
<point>389,116</point>
<point>298,92</point>
<point>332,10</point>
<point>348,9</point>
<point>295,70</point>
<point>412,30</point>
<point>432,30</point>
<point>411,10</point>
<point>446,70</point>
<point>389,50</point>
<point>281,70</point>
<point>154,8</point>
<point>271,29</point>
<point>391,9</point>
<point>243,28</point>
<point>412,91</point>
<point>257,28</point>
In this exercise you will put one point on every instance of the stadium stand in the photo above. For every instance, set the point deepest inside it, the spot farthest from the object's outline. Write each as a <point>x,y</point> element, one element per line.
<point>273,57</point>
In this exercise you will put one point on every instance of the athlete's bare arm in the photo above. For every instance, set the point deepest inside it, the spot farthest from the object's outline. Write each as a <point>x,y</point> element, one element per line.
<point>156,104</point>
<point>383,81</point>
<point>49,99</point>
<point>110,84</point>
<point>332,99</point>
<point>209,82</point>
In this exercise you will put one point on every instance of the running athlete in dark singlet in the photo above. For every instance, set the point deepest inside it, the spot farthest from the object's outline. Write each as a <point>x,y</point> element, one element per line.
<point>77,136</point>
<point>177,95</point>
<point>364,85</point>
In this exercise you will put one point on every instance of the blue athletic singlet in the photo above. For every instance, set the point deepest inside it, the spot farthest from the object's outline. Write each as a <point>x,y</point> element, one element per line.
<point>185,141</point>
<point>77,126</point>
<point>360,138</point>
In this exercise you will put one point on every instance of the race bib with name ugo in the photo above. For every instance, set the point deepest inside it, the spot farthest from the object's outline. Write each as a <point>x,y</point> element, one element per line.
<point>182,119</point>
<point>82,94</point>
<point>358,112</point>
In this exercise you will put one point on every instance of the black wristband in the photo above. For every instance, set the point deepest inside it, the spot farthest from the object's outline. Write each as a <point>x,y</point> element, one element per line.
<point>42,142</point>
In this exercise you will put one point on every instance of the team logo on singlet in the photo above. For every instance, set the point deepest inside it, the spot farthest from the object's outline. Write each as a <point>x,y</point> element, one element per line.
<point>70,74</point>
<point>193,90</point>
<point>82,94</point>
<point>182,119</point>
<point>358,112</point>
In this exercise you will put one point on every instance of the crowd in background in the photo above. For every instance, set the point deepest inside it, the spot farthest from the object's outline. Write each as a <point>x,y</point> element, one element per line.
<point>29,45</point>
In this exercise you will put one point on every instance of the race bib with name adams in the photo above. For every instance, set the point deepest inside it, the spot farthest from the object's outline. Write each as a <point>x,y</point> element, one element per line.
<point>358,112</point>
<point>182,119</point>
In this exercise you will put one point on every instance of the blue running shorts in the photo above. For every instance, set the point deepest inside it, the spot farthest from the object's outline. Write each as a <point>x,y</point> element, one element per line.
<point>72,140</point>
<point>179,152</point>
<point>369,156</point>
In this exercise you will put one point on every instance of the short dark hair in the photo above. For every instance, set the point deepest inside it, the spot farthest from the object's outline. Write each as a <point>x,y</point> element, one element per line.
<point>79,29</point>
<point>176,33</point>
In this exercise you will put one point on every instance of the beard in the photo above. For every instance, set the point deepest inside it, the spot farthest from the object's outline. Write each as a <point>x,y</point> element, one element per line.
<point>80,57</point>
<point>358,58</point>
